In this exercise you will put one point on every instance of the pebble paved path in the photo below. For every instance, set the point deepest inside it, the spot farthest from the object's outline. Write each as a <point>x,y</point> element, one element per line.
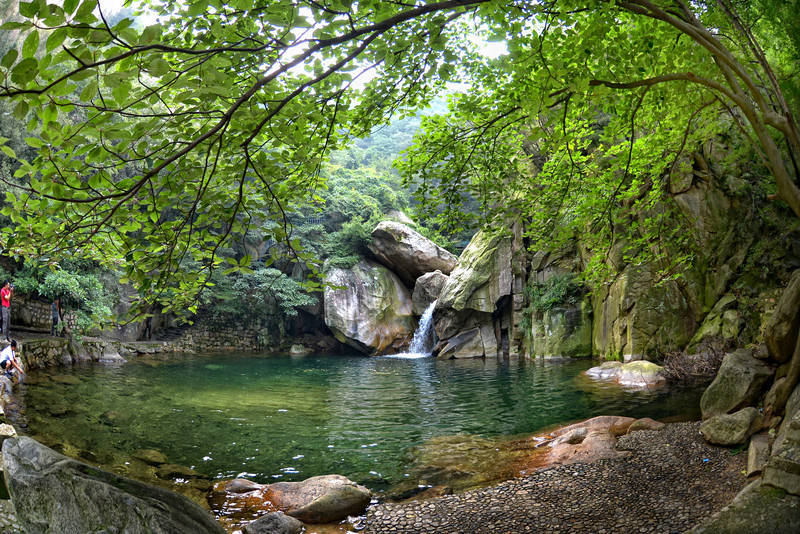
<point>8,519</point>
<point>670,481</point>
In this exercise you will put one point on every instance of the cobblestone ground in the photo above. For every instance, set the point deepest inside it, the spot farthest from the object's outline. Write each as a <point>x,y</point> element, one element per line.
<point>670,481</point>
<point>8,519</point>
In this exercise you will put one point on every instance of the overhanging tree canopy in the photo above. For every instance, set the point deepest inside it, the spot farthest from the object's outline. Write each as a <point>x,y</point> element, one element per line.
<point>156,145</point>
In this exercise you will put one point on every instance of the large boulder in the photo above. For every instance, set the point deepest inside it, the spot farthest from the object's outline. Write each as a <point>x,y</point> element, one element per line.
<point>471,295</point>
<point>636,374</point>
<point>427,289</point>
<point>55,494</point>
<point>758,508</point>
<point>739,382</point>
<point>730,429</point>
<point>474,343</point>
<point>368,307</point>
<point>780,333</point>
<point>408,253</point>
<point>321,499</point>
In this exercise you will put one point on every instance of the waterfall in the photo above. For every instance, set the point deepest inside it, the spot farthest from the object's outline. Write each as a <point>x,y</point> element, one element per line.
<point>424,337</point>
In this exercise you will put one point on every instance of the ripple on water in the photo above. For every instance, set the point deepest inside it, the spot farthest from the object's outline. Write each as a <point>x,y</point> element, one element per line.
<point>294,418</point>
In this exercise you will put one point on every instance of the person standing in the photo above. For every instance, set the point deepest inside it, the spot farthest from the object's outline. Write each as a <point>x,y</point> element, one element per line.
<point>5,303</point>
<point>55,307</point>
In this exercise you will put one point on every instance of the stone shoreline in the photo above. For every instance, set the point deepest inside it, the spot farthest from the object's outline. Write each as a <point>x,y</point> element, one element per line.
<point>666,481</point>
<point>670,481</point>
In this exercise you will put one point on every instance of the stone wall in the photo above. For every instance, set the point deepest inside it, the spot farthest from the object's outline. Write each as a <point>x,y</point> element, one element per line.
<point>215,337</point>
<point>44,352</point>
<point>33,313</point>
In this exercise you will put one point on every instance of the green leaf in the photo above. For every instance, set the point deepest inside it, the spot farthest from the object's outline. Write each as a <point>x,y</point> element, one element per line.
<point>89,91</point>
<point>28,9</point>
<point>25,71</point>
<point>9,58</point>
<point>56,39</point>
<point>150,34</point>
<point>70,5</point>
<point>87,7</point>
<point>198,8</point>
<point>12,25</point>
<point>158,67</point>
<point>34,142</point>
<point>8,151</point>
<point>31,44</point>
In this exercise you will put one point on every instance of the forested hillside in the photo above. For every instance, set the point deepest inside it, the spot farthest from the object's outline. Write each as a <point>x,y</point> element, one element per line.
<point>357,188</point>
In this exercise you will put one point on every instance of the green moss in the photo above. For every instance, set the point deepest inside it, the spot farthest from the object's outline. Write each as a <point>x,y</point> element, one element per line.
<point>558,290</point>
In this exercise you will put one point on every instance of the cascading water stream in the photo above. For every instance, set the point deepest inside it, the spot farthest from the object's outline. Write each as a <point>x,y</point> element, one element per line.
<point>424,338</point>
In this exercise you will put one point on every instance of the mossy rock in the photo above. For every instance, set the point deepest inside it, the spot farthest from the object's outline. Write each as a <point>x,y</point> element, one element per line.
<point>757,508</point>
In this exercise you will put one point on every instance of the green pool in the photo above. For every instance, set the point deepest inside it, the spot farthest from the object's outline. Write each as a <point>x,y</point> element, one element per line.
<point>288,418</point>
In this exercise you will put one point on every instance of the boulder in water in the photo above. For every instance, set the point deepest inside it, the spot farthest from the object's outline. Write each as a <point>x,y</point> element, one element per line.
<point>470,296</point>
<point>321,499</point>
<point>368,308</point>
<point>150,456</point>
<point>53,494</point>
<point>636,374</point>
<point>474,343</point>
<point>274,523</point>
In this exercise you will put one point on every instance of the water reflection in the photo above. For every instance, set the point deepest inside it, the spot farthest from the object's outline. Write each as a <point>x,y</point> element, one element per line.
<point>289,418</point>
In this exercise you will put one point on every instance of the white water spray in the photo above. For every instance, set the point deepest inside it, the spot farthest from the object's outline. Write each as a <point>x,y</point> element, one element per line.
<point>424,338</point>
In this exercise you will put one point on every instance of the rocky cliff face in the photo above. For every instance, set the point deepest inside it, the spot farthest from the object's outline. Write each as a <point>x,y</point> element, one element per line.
<point>637,312</point>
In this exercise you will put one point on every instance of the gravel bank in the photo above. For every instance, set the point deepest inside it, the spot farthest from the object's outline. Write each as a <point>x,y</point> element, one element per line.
<point>670,481</point>
<point>8,519</point>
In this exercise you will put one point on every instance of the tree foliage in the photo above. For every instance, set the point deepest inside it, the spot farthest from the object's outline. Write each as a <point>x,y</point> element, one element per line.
<point>157,147</point>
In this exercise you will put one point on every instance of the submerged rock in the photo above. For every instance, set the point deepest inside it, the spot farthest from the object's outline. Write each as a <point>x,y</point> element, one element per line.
<point>274,523</point>
<point>150,456</point>
<point>54,494</point>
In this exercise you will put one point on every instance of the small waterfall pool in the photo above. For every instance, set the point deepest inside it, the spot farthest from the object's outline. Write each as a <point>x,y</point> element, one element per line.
<point>272,418</point>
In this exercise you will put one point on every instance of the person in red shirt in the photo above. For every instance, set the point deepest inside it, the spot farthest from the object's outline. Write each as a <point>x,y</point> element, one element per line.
<point>5,304</point>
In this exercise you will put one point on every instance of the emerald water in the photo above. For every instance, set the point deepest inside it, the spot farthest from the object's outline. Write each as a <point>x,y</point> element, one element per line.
<point>273,418</point>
